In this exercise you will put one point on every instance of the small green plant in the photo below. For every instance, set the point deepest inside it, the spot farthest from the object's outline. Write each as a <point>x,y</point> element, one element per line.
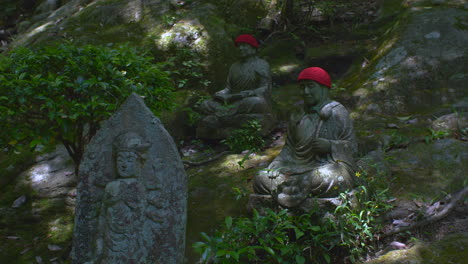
<point>435,135</point>
<point>193,113</point>
<point>396,140</point>
<point>248,137</point>
<point>357,222</point>
<point>275,237</point>
<point>239,192</point>
<point>281,237</point>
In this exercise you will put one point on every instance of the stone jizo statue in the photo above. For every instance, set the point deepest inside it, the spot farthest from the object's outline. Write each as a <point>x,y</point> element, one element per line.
<point>132,193</point>
<point>123,210</point>
<point>245,97</point>
<point>317,159</point>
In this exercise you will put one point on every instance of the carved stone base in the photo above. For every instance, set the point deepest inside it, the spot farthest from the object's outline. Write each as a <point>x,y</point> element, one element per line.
<point>261,202</point>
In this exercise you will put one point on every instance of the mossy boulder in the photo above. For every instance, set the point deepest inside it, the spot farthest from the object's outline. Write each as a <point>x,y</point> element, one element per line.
<point>450,249</point>
<point>419,65</point>
<point>423,168</point>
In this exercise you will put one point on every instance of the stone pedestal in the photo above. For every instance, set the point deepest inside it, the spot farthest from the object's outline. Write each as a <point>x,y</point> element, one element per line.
<point>261,202</point>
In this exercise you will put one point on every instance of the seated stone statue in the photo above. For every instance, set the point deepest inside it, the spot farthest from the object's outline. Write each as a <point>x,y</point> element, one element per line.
<point>245,97</point>
<point>317,158</point>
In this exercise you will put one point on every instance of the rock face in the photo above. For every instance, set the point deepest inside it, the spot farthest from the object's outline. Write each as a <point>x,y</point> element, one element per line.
<point>420,64</point>
<point>427,167</point>
<point>53,175</point>
<point>132,193</point>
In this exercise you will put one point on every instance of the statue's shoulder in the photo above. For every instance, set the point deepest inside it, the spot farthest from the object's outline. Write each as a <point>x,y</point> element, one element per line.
<point>332,108</point>
<point>262,66</point>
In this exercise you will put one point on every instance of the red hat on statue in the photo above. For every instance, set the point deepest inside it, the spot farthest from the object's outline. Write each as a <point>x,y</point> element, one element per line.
<point>315,74</point>
<point>246,38</point>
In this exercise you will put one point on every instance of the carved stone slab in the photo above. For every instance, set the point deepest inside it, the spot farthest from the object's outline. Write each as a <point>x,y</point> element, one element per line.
<point>132,193</point>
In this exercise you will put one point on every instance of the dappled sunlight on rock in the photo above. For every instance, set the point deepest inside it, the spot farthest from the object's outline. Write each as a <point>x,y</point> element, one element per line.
<point>39,29</point>
<point>286,68</point>
<point>185,33</point>
<point>39,174</point>
<point>53,174</point>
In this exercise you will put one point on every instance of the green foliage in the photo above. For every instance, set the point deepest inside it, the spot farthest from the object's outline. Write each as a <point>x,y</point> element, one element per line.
<point>396,140</point>
<point>193,115</point>
<point>356,224</point>
<point>281,237</point>
<point>248,137</point>
<point>186,68</point>
<point>62,93</point>
<point>435,135</point>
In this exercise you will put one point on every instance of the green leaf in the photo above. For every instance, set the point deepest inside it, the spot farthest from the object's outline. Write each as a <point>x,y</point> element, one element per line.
<point>228,221</point>
<point>269,250</point>
<point>198,245</point>
<point>205,236</point>
<point>298,232</point>
<point>315,228</point>
<point>279,239</point>
<point>221,252</point>
<point>300,259</point>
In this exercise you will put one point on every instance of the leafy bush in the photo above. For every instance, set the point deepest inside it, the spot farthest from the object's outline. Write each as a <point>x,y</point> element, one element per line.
<point>248,137</point>
<point>62,93</point>
<point>279,237</point>
<point>186,67</point>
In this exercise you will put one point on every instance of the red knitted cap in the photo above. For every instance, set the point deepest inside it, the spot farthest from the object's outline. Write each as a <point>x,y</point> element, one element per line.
<point>315,74</point>
<point>246,38</point>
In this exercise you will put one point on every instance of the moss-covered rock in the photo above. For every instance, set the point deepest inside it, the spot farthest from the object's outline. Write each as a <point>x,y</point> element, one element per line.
<point>424,168</point>
<point>418,66</point>
<point>451,249</point>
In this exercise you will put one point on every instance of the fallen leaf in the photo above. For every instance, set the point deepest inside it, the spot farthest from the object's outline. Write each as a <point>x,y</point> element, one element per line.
<point>24,251</point>
<point>398,245</point>
<point>39,260</point>
<point>54,248</point>
<point>400,223</point>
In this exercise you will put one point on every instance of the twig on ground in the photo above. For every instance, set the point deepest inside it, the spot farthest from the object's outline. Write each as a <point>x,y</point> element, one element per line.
<point>454,199</point>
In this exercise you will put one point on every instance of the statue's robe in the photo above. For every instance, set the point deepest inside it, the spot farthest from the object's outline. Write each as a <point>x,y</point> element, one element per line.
<point>302,167</point>
<point>252,75</point>
<point>247,96</point>
<point>121,223</point>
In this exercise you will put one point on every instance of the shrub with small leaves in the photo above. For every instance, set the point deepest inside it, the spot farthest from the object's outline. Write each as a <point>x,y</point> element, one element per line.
<point>248,137</point>
<point>61,93</point>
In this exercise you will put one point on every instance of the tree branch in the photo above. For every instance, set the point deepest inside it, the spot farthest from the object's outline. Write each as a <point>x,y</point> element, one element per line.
<point>454,199</point>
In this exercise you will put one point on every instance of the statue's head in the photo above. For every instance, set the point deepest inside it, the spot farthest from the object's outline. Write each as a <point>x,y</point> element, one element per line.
<point>315,83</point>
<point>247,45</point>
<point>129,149</point>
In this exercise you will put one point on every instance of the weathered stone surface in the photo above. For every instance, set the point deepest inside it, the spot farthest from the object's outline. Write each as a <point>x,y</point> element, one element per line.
<point>451,249</point>
<point>317,159</point>
<point>261,202</point>
<point>453,123</point>
<point>19,202</point>
<point>246,96</point>
<point>374,163</point>
<point>129,211</point>
<point>420,66</point>
<point>422,168</point>
<point>53,174</point>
